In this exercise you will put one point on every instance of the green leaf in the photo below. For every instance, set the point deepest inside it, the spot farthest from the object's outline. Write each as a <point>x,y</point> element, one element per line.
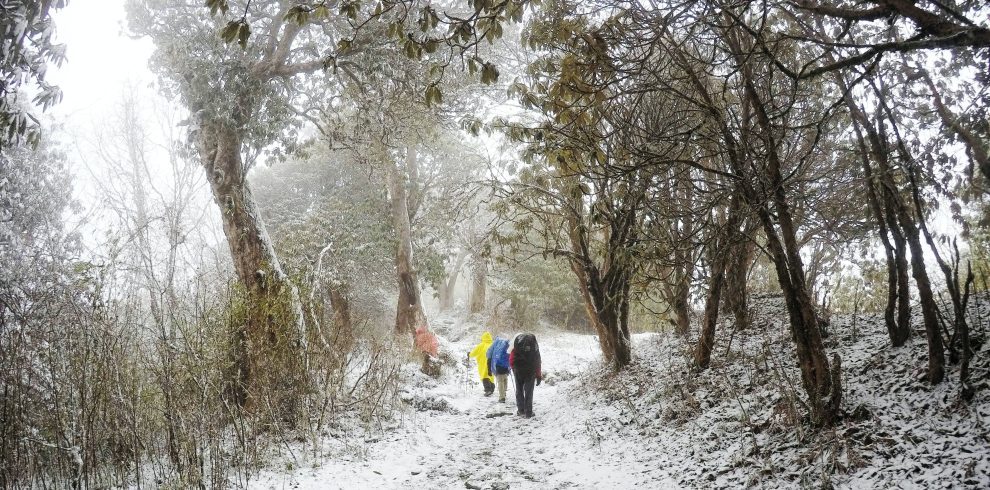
<point>431,45</point>
<point>229,31</point>
<point>217,6</point>
<point>349,9</point>
<point>494,32</point>
<point>243,33</point>
<point>298,14</point>
<point>433,94</point>
<point>411,49</point>
<point>489,74</point>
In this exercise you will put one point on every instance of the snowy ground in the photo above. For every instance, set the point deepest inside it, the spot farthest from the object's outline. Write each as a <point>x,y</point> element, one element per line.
<point>660,424</point>
<point>461,439</point>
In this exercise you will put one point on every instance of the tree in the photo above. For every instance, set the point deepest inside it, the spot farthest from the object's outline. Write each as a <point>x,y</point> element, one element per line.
<point>42,285</point>
<point>331,227</point>
<point>242,104</point>
<point>26,32</point>
<point>744,125</point>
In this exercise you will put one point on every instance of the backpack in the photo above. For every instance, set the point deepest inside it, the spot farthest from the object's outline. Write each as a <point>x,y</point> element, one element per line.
<point>499,353</point>
<point>526,350</point>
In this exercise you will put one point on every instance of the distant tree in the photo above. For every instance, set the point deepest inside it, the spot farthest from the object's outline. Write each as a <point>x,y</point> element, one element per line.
<point>246,99</point>
<point>330,224</point>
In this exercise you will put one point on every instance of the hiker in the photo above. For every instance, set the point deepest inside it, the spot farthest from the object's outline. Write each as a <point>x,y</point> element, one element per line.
<point>524,359</point>
<point>480,354</point>
<point>498,364</point>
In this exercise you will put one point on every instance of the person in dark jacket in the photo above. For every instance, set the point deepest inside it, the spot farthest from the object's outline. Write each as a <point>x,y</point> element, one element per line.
<point>527,369</point>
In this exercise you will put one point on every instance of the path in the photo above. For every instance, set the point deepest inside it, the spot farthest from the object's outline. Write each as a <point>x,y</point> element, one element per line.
<point>483,445</point>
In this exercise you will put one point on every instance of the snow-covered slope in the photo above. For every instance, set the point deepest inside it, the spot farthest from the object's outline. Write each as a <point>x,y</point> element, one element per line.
<point>659,424</point>
<point>738,423</point>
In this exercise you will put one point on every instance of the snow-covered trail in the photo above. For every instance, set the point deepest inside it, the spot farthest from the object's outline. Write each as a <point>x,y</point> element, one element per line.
<point>483,444</point>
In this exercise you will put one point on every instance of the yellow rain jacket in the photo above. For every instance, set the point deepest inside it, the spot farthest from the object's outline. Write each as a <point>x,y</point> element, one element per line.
<point>480,354</point>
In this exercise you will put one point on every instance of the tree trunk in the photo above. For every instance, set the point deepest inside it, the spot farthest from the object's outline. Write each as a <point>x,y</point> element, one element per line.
<point>606,294</point>
<point>609,317</point>
<point>929,309</point>
<point>479,284</point>
<point>446,295</point>
<point>706,341</point>
<point>824,392</point>
<point>722,247</point>
<point>409,311</point>
<point>448,285</point>
<point>903,325</point>
<point>682,305</point>
<point>815,371</point>
<point>898,329</point>
<point>684,266</point>
<point>341,305</point>
<point>267,348</point>
<point>821,385</point>
<point>736,297</point>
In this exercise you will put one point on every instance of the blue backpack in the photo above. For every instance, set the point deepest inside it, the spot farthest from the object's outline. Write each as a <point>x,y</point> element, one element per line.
<point>498,353</point>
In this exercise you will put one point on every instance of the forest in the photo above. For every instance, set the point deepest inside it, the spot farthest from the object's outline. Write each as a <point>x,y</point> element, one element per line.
<point>752,238</point>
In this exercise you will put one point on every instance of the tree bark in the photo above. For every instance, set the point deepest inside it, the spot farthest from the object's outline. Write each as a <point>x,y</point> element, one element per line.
<point>605,289</point>
<point>267,347</point>
<point>912,232</point>
<point>929,309</point>
<point>479,285</point>
<point>818,380</point>
<point>448,285</point>
<point>736,297</point>
<point>903,229</point>
<point>903,325</point>
<point>722,248</point>
<point>898,329</point>
<point>684,266</point>
<point>706,341</point>
<point>409,311</point>
<point>341,305</point>
<point>682,304</point>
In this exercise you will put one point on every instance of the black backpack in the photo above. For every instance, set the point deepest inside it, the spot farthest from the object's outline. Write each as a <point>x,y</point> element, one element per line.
<point>525,350</point>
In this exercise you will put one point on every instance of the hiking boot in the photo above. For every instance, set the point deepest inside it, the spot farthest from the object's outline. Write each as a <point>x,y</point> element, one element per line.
<point>501,400</point>
<point>519,413</point>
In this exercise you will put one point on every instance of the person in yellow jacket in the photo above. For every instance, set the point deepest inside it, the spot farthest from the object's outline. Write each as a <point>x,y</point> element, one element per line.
<point>480,354</point>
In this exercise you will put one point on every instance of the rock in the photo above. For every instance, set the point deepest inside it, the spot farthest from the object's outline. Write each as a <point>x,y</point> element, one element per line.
<point>416,472</point>
<point>500,485</point>
<point>473,486</point>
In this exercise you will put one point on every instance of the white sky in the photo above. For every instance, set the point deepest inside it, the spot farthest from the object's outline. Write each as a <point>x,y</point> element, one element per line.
<point>101,61</point>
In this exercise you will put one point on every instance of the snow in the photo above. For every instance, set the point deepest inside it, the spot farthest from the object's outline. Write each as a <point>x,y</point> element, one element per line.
<point>461,439</point>
<point>661,424</point>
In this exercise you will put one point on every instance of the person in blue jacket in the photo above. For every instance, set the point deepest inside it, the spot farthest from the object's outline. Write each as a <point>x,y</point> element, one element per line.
<point>498,364</point>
